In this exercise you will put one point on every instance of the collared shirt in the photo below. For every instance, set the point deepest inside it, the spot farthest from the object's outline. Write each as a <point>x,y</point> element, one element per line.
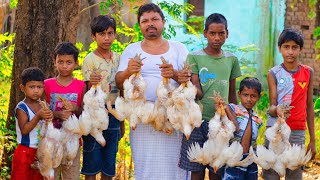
<point>242,117</point>
<point>107,69</point>
<point>214,74</point>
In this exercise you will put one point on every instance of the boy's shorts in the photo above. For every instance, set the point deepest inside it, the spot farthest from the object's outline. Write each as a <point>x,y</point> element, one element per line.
<point>102,159</point>
<point>199,135</point>
<point>238,173</point>
<point>23,157</point>
<point>296,137</point>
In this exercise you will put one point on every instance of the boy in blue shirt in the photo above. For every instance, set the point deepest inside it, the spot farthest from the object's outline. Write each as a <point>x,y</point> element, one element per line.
<point>247,125</point>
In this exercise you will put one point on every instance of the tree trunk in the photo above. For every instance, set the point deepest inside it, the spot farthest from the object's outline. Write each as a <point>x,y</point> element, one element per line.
<point>39,26</point>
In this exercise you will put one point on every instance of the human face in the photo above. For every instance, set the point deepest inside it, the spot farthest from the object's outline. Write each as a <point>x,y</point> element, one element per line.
<point>248,97</point>
<point>65,64</point>
<point>151,25</point>
<point>105,38</point>
<point>33,90</point>
<point>290,51</point>
<point>216,35</point>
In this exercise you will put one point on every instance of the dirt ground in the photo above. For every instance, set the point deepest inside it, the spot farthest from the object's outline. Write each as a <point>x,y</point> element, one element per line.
<point>312,171</point>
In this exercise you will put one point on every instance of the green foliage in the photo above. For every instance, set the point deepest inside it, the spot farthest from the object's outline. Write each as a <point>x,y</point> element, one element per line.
<point>312,14</point>
<point>6,56</point>
<point>317,106</point>
<point>197,23</point>
<point>316,34</point>
<point>261,108</point>
<point>7,136</point>
<point>13,3</point>
<point>248,66</point>
<point>176,10</point>
<point>108,5</point>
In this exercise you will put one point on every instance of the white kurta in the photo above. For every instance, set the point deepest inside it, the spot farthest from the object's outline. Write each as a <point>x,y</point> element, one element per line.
<point>155,154</point>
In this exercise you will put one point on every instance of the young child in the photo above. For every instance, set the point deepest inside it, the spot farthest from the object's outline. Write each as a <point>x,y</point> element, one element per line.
<point>67,87</point>
<point>292,83</point>
<point>247,124</point>
<point>99,67</point>
<point>29,116</point>
<point>214,70</point>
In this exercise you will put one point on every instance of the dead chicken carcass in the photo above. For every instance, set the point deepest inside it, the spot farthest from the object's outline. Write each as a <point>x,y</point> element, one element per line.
<point>133,106</point>
<point>50,149</point>
<point>71,130</point>
<point>216,150</point>
<point>159,117</point>
<point>94,118</point>
<point>183,112</point>
<point>286,155</point>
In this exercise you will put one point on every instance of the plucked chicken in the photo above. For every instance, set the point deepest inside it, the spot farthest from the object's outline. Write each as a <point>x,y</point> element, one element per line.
<point>71,130</point>
<point>50,149</point>
<point>216,150</point>
<point>133,106</point>
<point>280,153</point>
<point>159,117</point>
<point>94,118</point>
<point>179,105</point>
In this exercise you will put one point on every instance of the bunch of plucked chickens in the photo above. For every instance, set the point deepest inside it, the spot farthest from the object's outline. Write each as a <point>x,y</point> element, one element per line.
<point>183,112</point>
<point>159,116</point>
<point>50,149</point>
<point>216,151</point>
<point>280,154</point>
<point>94,118</point>
<point>71,138</point>
<point>133,106</point>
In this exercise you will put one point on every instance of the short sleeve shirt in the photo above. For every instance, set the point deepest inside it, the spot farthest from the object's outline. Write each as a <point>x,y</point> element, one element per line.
<point>214,74</point>
<point>107,69</point>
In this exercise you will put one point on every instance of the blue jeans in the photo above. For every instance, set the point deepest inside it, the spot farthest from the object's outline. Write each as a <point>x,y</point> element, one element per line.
<point>241,173</point>
<point>102,159</point>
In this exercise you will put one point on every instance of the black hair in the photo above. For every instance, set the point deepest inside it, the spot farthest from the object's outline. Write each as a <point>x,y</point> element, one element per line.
<point>66,48</point>
<point>102,23</point>
<point>250,83</point>
<point>217,19</point>
<point>31,74</point>
<point>291,34</point>
<point>148,8</point>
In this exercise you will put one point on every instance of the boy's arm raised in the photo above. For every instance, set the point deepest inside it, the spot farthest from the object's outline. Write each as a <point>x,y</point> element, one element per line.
<point>310,117</point>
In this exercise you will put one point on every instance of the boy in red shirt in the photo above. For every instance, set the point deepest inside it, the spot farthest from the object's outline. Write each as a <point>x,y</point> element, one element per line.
<point>292,83</point>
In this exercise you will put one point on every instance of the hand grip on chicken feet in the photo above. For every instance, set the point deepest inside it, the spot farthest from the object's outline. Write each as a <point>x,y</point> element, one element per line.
<point>284,110</point>
<point>138,57</point>
<point>186,68</point>
<point>65,103</point>
<point>164,61</point>
<point>220,102</point>
<point>45,106</point>
<point>94,72</point>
